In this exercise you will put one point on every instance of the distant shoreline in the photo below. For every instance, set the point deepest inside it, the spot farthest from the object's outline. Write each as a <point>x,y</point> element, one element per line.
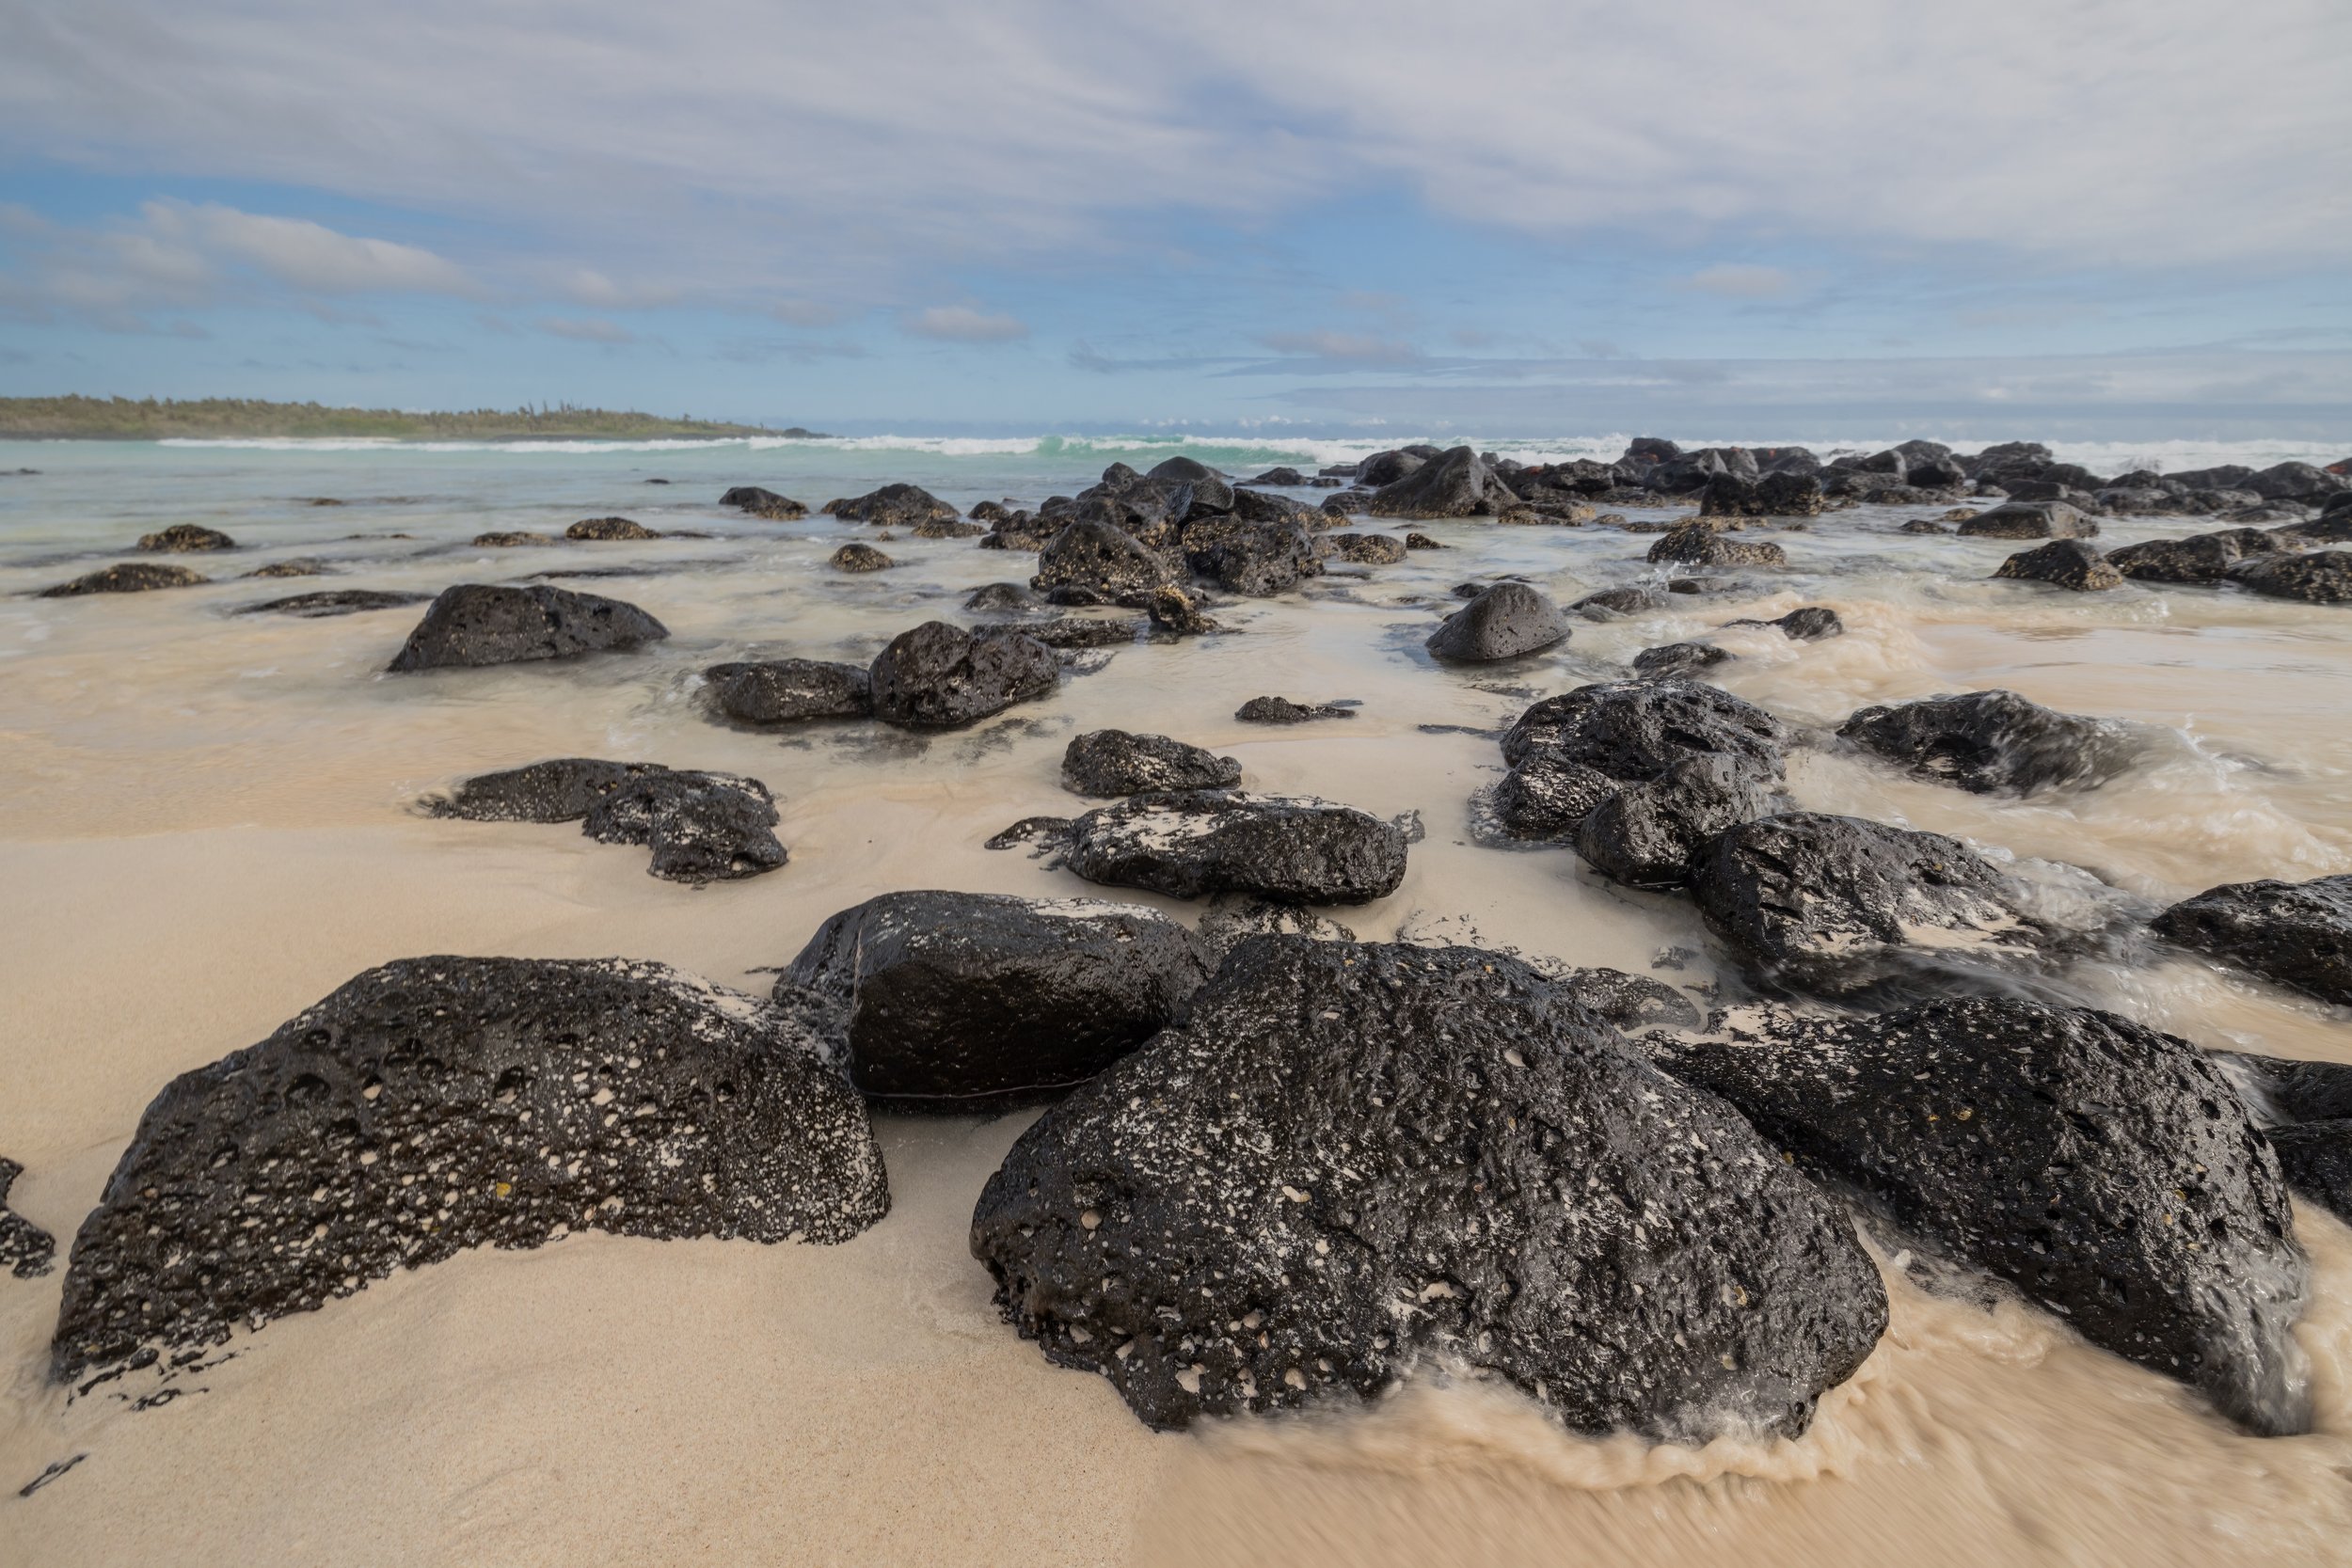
<point>81,419</point>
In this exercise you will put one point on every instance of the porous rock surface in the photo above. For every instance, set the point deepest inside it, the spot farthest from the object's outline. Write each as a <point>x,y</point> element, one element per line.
<point>2294,934</point>
<point>1503,621</point>
<point>132,576</point>
<point>1282,711</point>
<point>1646,834</point>
<point>1993,742</point>
<point>2323,577</point>
<point>2068,563</point>
<point>1118,762</point>
<point>479,623</point>
<point>701,826</point>
<point>1194,844</point>
<point>180,538</point>
<point>609,529</point>
<point>439,1103</point>
<point>2108,1171</point>
<point>776,691</point>
<point>1354,1159</point>
<point>26,1248</point>
<point>945,999</point>
<point>939,676</point>
<point>334,601</point>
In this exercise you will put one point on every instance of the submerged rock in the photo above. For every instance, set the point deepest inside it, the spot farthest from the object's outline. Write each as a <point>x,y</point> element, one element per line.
<point>776,691</point>
<point>1700,543</point>
<point>1841,906</point>
<point>302,568</point>
<point>2323,577</point>
<point>333,601</point>
<point>1611,603</point>
<point>1806,623</point>
<point>133,576</point>
<point>1354,1159</point>
<point>1370,550</point>
<point>948,998</point>
<point>477,624</point>
<point>2029,520</point>
<point>513,539</point>
<point>1675,660</point>
<point>2293,934</point>
<point>1282,711</point>
<point>2106,1170</point>
<point>1994,742</point>
<point>1071,631</point>
<point>1177,613</point>
<point>995,598</point>
<point>1503,622</point>
<point>25,1247</point>
<point>701,826</point>
<point>437,1104</point>
<point>609,529</point>
<point>764,503</point>
<point>940,676</point>
<point>2064,563</point>
<point>856,557</point>
<point>1113,762</point>
<point>182,537</point>
<point>1193,844</point>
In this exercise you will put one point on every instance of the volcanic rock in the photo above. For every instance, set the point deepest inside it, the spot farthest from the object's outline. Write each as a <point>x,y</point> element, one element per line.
<point>776,691</point>
<point>1282,711</point>
<point>894,506</point>
<point>132,576</point>
<point>1993,742</point>
<point>2030,520</point>
<point>2068,563</point>
<point>1102,559</point>
<point>856,557</point>
<point>939,676</point>
<point>2293,934</point>
<point>25,1247</point>
<point>609,529</point>
<point>1503,622</point>
<point>1647,835</point>
<point>1700,543</point>
<point>701,826</point>
<point>2323,577</point>
<point>1106,763</point>
<point>764,503</point>
<point>1193,844</point>
<point>334,601</point>
<point>1457,485</point>
<point>477,624</point>
<point>1635,729</point>
<point>182,537</point>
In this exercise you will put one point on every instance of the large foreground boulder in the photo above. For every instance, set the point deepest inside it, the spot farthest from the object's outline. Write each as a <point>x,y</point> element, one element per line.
<point>2293,934</point>
<point>1356,1160</point>
<point>1842,906</point>
<point>1503,622</point>
<point>1193,845</point>
<point>477,624</point>
<point>939,676</point>
<point>2108,1171</point>
<point>1994,742</point>
<point>701,826</point>
<point>436,1104</point>
<point>780,691</point>
<point>1106,763</point>
<point>951,998</point>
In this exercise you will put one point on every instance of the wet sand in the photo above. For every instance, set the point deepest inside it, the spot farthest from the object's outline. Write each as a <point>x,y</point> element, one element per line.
<point>205,824</point>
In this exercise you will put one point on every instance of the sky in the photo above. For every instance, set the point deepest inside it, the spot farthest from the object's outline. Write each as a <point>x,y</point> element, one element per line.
<point>2072,219</point>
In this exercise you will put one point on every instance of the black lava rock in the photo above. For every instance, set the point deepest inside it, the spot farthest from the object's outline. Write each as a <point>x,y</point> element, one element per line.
<point>609,529</point>
<point>2068,563</point>
<point>997,598</point>
<point>763,503</point>
<point>1282,711</point>
<point>776,691</point>
<point>1070,632</point>
<point>894,506</point>
<point>334,601</point>
<point>511,539</point>
<point>701,826</point>
<point>2323,577</point>
<point>2029,520</point>
<point>1190,845</point>
<point>2106,1170</point>
<point>1503,622</point>
<point>183,537</point>
<point>1177,614</point>
<point>302,568</point>
<point>1637,729</point>
<point>436,1104</point>
<point>25,1247</point>
<point>949,998</point>
<point>1113,762</point>
<point>1456,485</point>
<point>1369,549</point>
<point>1547,797</point>
<point>1611,603</point>
<point>857,556</point>
<point>1993,742</point>
<point>1647,835</point>
<point>132,576</point>
<point>2201,558</point>
<point>1700,543</point>
<point>1673,661</point>
<point>477,624</point>
<point>1256,560</point>
<point>1841,906</point>
<point>939,676</point>
<point>1806,623</point>
<point>2293,934</point>
<point>1098,557</point>
<point>1356,1159</point>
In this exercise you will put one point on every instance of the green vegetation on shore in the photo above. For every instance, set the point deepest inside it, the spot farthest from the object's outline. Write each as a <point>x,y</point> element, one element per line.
<point>149,420</point>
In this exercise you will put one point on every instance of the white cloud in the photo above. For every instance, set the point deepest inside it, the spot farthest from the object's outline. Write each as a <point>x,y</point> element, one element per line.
<point>1735,280</point>
<point>303,255</point>
<point>585,330</point>
<point>961,323</point>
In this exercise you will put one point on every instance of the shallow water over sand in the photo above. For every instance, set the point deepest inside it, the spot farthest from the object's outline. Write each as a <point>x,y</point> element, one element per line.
<point>205,826</point>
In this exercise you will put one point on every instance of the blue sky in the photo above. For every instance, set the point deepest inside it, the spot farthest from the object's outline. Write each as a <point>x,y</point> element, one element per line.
<point>1789,218</point>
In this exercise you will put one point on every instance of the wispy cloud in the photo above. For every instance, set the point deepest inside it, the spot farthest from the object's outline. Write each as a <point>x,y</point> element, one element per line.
<point>1740,280</point>
<point>961,323</point>
<point>1341,345</point>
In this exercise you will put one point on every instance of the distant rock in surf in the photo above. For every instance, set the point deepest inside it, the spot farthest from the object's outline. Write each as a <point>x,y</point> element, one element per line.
<point>181,538</point>
<point>133,576</point>
<point>1282,711</point>
<point>334,601</point>
<point>609,529</point>
<point>760,502</point>
<point>894,506</point>
<point>857,557</point>
<point>2068,563</point>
